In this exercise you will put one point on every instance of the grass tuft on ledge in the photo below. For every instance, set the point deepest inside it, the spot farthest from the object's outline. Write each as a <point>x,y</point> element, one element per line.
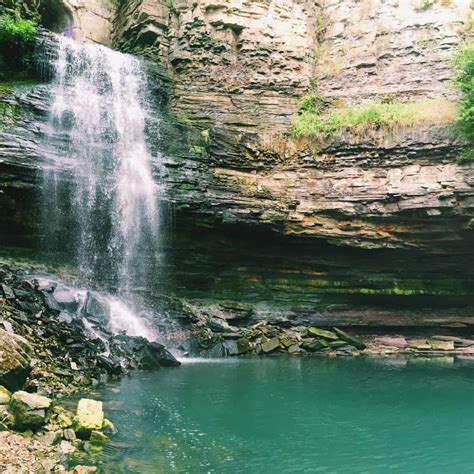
<point>314,120</point>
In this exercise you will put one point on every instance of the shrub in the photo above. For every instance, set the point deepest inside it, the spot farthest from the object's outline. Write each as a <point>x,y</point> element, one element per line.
<point>17,39</point>
<point>464,64</point>
<point>17,32</point>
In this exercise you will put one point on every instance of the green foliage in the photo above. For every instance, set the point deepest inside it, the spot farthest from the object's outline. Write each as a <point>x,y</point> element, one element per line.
<point>464,64</point>
<point>17,39</point>
<point>17,32</point>
<point>314,120</point>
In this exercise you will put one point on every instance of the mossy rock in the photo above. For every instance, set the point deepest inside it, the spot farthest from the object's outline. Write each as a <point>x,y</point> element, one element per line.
<point>316,332</point>
<point>89,417</point>
<point>30,410</point>
<point>15,354</point>
<point>355,341</point>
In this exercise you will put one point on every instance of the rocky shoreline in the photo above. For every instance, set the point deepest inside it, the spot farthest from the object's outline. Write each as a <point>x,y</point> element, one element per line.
<point>53,344</point>
<point>50,347</point>
<point>214,337</point>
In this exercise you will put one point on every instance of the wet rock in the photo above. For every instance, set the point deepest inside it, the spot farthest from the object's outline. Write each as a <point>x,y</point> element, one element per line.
<point>243,345</point>
<point>98,437</point>
<point>15,357</point>
<point>50,301</point>
<point>294,349</point>
<point>108,426</point>
<point>97,307</point>
<point>152,355</point>
<point>271,345</point>
<point>65,299</point>
<point>89,417</point>
<point>5,395</point>
<point>316,332</point>
<point>217,351</point>
<point>337,344</point>
<point>355,341</point>
<point>30,410</point>
<point>441,345</point>
<point>230,347</point>
<point>83,469</point>
<point>397,341</point>
<point>419,344</point>
<point>312,345</point>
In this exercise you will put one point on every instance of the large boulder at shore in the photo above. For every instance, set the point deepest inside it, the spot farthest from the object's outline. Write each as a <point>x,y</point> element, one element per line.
<point>89,417</point>
<point>30,410</point>
<point>15,355</point>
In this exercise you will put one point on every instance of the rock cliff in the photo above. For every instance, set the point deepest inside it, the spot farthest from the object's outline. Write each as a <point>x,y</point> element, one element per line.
<point>228,77</point>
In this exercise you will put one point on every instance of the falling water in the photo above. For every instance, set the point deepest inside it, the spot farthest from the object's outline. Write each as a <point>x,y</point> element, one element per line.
<point>98,105</point>
<point>97,130</point>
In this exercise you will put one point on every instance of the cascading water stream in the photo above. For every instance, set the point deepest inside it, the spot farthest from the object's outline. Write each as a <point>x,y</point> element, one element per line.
<point>98,110</point>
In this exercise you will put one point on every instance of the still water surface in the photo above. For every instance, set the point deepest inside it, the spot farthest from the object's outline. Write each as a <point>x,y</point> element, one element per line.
<point>294,415</point>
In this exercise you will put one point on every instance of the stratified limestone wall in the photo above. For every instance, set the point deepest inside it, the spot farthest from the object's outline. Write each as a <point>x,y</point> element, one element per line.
<point>240,64</point>
<point>398,48</point>
<point>238,69</point>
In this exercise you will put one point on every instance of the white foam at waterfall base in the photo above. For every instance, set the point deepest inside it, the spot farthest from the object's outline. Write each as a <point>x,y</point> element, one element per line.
<point>125,318</point>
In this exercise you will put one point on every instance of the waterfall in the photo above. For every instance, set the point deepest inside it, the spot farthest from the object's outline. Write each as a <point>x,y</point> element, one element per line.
<point>96,126</point>
<point>98,106</point>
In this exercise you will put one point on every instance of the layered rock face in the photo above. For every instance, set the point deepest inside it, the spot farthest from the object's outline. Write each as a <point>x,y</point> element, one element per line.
<point>231,75</point>
<point>239,69</point>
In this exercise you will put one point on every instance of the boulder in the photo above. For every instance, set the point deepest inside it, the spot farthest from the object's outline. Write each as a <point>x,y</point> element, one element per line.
<point>312,345</point>
<point>5,395</point>
<point>355,341</point>
<point>271,344</point>
<point>97,307</point>
<point>153,355</point>
<point>15,356</point>
<point>441,345</point>
<point>420,345</point>
<point>30,410</point>
<point>89,417</point>
<point>98,437</point>
<point>231,348</point>
<point>394,341</point>
<point>65,299</point>
<point>316,332</point>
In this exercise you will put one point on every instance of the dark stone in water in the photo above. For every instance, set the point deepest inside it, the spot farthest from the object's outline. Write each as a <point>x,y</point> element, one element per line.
<point>231,347</point>
<point>110,364</point>
<point>217,351</point>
